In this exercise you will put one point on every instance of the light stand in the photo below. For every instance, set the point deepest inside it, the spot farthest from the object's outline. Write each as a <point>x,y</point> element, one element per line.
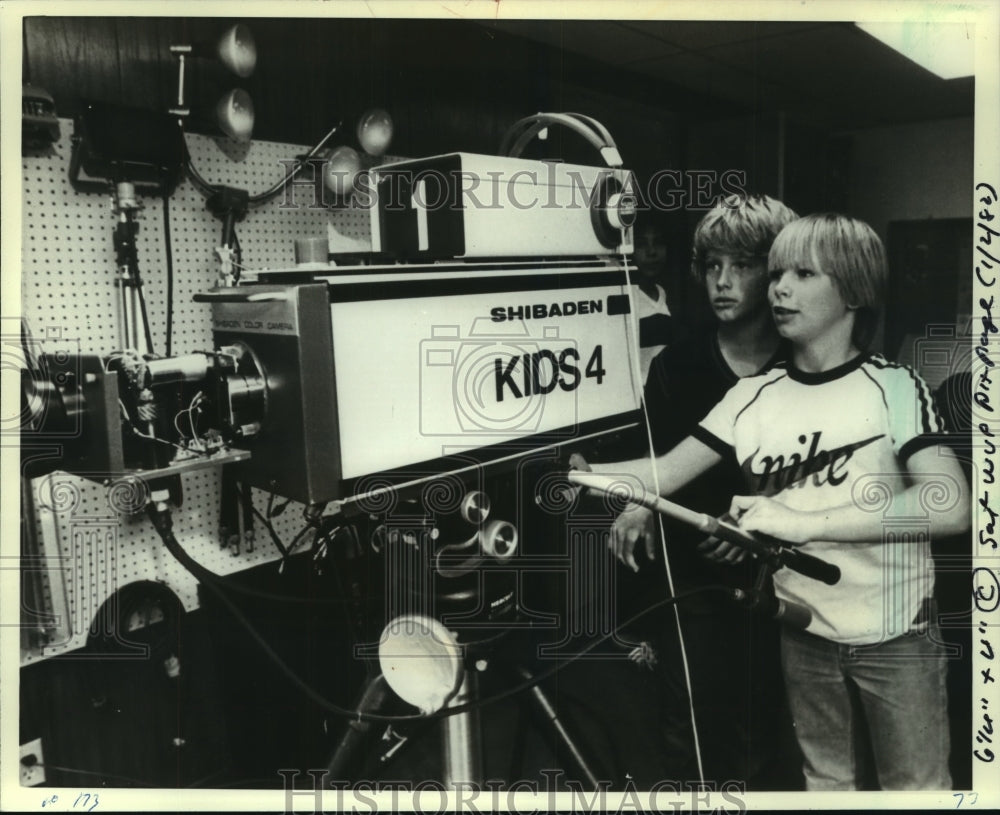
<point>463,737</point>
<point>132,302</point>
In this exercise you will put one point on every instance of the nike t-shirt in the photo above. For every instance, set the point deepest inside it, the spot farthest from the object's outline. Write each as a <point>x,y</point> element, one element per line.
<point>818,441</point>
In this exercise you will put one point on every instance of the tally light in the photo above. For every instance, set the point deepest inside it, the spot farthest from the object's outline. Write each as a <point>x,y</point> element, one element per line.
<point>947,50</point>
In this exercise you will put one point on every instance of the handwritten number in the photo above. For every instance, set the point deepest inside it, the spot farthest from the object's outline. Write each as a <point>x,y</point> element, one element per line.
<point>973,797</point>
<point>81,801</point>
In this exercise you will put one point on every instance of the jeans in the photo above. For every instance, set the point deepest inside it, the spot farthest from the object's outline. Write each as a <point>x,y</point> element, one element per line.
<point>898,687</point>
<point>736,689</point>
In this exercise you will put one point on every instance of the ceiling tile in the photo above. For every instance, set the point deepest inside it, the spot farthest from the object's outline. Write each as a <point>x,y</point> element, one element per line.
<point>611,42</point>
<point>696,35</point>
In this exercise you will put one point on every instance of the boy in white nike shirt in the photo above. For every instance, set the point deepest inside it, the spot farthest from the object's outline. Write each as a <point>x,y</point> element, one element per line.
<point>840,451</point>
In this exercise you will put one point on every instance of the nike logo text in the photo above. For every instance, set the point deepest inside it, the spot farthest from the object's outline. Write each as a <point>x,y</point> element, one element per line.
<point>825,466</point>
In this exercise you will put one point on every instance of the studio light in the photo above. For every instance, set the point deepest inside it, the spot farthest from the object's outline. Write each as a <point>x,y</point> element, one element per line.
<point>341,170</point>
<point>237,51</point>
<point>375,131</point>
<point>421,661</point>
<point>344,163</point>
<point>234,114</point>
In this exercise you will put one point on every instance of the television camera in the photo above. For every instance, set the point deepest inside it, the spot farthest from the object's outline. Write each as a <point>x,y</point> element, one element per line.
<point>406,390</point>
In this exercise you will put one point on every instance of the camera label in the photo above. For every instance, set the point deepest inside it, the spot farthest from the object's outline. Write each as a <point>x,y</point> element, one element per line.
<point>421,378</point>
<point>539,311</point>
<point>542,371</point>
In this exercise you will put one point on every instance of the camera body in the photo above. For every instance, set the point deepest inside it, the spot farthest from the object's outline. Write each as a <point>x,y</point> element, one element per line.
<point>437,369</point>
<point>503,331</point>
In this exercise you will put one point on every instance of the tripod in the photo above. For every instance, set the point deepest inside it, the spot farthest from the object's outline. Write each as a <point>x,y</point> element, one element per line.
<point>461,733</point>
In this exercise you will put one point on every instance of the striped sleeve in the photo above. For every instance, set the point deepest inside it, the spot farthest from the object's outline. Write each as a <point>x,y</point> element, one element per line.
<point>913,416</point>
<point>717,428</point>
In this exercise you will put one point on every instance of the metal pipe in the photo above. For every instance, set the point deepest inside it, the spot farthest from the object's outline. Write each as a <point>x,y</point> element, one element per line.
<point>463,743</point>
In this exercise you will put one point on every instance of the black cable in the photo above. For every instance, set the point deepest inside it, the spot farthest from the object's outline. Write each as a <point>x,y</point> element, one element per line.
<point>208,188</point>
<point>274,535</point>
<point>163,524</point>
<point>298,538</point>
<point>238,252</point>
<point>269,194</point>
<point>271,512</point>
<point>168,251</point>
<point>196,177</point>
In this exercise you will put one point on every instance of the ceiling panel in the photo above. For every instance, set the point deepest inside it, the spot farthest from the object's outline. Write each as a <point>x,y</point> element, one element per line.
<point>826,74</point>
<point>611,42</point>
<point>695,35</point>
<point>705,75</point>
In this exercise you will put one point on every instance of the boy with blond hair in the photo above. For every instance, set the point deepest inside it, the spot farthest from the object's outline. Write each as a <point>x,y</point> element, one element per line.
<point>840,449</point>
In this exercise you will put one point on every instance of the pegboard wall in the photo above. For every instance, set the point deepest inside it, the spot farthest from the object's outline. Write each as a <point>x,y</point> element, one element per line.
<point>95,540</point>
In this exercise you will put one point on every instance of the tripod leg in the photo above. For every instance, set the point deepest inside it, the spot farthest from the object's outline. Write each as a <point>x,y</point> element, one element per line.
<point>463,741</point>
<point>373,697</point>
<point>550,717</point>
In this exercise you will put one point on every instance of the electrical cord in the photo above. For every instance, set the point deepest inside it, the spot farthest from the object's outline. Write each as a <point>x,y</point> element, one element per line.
<point>163,524</point>
<point>648,426</point>
<point>295,542</point>
<point>208,188</point>
<point>260,594</point>
<point>168,251</point>
<point>270,530</point>
<point>238,261</point>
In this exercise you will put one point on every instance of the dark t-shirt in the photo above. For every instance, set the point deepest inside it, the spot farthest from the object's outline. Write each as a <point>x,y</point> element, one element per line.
<point>685,382</point>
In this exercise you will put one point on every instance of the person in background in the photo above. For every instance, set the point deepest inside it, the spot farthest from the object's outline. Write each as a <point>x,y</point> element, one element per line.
<point>732,657</point>
<point>650,299</point>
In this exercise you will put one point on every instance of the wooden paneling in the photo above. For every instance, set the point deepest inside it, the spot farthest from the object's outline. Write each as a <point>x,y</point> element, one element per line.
<point>449,84</point>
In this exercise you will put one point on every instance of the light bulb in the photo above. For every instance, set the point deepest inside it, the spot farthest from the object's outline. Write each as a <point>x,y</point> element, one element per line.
<point>421,661</point>
<point>341,170</point>
<point>375,131</point>
<point>234,114</point>
<point>237,50</point>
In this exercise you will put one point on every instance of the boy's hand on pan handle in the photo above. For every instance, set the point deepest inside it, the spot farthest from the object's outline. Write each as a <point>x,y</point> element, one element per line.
<point>757,513</point>
<point>631,527</point>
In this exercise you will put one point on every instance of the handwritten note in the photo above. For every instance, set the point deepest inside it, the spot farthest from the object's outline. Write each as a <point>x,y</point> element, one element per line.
<point>985,579</point>
<point>83,802</point>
